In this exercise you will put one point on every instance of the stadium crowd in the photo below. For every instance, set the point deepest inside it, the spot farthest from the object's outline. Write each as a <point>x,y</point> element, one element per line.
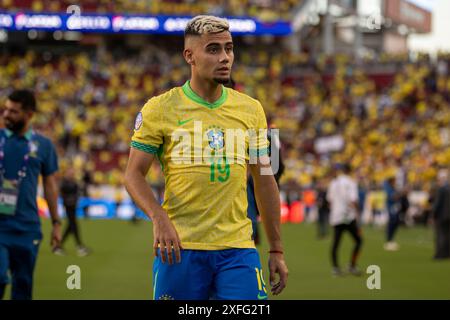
<point>266,10</point>
<point>396,124</point>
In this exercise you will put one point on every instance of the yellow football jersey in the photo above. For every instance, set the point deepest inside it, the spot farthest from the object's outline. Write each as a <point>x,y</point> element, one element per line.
<point>204,149</point>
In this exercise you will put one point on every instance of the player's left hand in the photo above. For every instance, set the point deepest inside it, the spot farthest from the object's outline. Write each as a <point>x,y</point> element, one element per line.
<point>277,265</point>
<point>55,240</point>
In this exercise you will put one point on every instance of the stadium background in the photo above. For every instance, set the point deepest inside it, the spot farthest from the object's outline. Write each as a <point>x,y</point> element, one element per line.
<point>336,77</point>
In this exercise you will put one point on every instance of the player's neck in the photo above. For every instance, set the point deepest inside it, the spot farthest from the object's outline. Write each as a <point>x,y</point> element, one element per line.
<point>208,91</point>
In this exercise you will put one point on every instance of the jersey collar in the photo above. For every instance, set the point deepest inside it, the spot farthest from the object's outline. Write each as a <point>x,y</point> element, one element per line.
<point>196,98</point>
<point>27,135</point>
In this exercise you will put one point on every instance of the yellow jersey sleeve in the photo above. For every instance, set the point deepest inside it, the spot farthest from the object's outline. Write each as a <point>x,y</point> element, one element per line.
<point>258,136</point>
<point>148,128</point>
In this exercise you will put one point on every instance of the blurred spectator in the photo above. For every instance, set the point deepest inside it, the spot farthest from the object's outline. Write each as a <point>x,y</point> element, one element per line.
<point>323,209</point>
<point>252,210</point>
<point>404,206</point>
<point>377,205</point>
<point>343,197</point>
<point>70,192</point>
<point>393,208</point>
<point>441,215</point>
<point>362,195</point>
<point>86,182</point>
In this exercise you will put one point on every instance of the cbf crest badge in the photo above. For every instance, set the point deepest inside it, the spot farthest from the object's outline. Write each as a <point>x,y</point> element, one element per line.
<point>138,121</point>
<point>216,138</point>
<point>34,146</point>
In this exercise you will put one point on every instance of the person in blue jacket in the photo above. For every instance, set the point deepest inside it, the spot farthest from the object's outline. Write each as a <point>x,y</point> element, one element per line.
<point>24,156</point>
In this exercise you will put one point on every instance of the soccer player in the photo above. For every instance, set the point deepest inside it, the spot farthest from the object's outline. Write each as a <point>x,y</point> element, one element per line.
<point>202,223</point>
<point>24,155</point>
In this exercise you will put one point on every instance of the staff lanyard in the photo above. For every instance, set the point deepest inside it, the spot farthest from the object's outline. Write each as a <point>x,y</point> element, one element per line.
<point>22,173</point>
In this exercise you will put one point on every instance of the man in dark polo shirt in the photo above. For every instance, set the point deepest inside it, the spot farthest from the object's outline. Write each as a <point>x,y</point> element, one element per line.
<point>24,155</point>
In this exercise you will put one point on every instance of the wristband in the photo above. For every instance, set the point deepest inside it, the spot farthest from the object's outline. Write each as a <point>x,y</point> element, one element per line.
<point>57,221</point>
<point>276,251</point>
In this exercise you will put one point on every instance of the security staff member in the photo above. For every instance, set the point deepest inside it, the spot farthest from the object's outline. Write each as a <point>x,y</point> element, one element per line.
<point>24,155</point>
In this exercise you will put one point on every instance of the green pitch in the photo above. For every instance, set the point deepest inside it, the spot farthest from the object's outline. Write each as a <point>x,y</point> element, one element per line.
<point>121,265</point>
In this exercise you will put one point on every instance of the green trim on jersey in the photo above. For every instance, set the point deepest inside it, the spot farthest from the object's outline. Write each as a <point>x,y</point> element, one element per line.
<point>258,152</point>
<point>144,147</point>
<point>196,98</point>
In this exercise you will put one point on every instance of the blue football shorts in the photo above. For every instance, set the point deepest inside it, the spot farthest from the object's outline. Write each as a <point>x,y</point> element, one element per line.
<point>231,274</point>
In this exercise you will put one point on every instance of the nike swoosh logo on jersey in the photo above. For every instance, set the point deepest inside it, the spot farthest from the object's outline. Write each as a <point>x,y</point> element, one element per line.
<point>181,122</point>
<point>262,297</point>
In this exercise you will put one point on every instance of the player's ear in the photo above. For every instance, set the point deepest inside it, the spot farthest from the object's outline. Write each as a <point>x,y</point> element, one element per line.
<point>188,56</point>
<point>29,115</point>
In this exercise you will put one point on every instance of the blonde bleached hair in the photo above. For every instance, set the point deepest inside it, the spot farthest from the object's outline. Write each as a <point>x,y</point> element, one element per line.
<point>203,24</point>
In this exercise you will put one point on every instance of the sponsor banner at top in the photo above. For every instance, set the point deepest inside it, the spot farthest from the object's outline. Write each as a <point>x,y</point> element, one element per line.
<point>108,23</point>
<point>24,21</point>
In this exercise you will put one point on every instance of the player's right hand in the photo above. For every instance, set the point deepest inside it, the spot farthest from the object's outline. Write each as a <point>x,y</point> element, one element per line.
<point>166,238</point>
